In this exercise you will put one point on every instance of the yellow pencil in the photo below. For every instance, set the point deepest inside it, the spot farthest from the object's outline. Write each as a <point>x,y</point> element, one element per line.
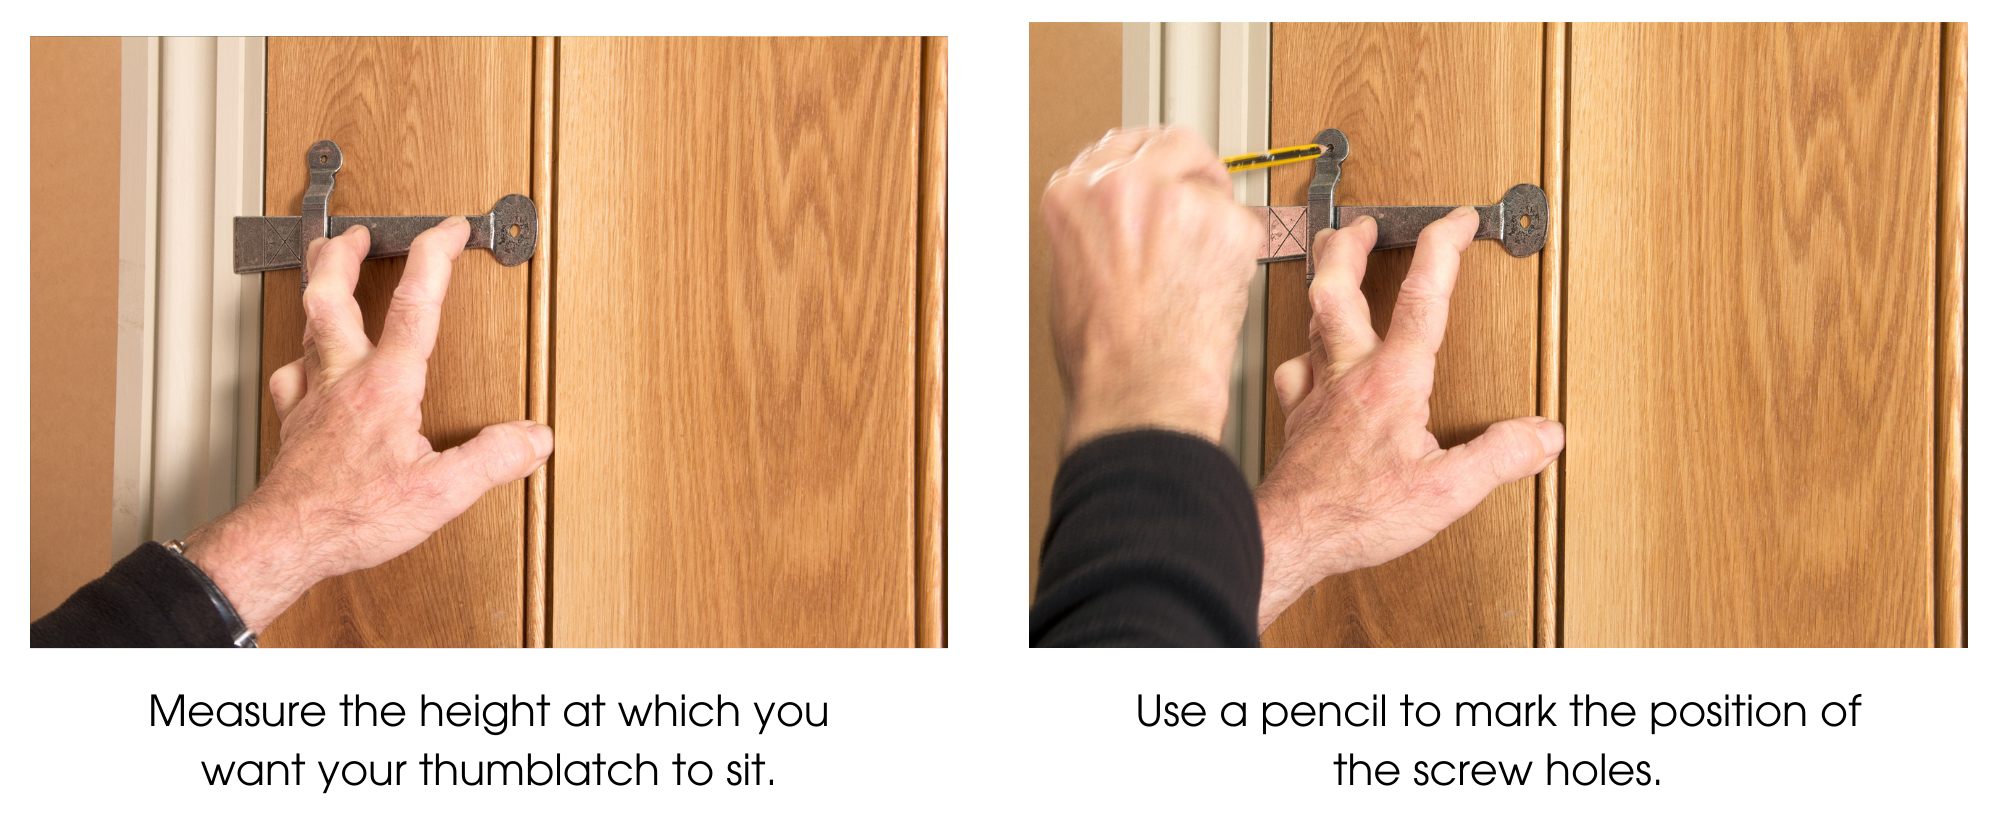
<point>1275,156</point>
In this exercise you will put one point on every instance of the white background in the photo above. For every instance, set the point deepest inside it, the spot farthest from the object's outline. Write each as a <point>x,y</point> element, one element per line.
<point>986,735</point>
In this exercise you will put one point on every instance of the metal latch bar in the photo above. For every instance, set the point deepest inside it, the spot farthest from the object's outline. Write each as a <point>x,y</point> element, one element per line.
<point>1520,221</point>
<point>511,230</point>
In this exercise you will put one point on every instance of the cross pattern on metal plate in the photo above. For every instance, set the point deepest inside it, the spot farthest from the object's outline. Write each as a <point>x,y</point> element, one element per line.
<point>1284,231</point>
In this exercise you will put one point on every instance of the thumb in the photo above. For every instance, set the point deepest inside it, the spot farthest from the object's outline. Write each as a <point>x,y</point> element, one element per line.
<point>1506,452</point>
<point>288,386</point>
<point>499,454</point>
<point>1292,381</point>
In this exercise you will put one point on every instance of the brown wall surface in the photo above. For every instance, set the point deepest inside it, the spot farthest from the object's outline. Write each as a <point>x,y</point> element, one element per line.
<point>1075,77</point>
<point>73,314</point>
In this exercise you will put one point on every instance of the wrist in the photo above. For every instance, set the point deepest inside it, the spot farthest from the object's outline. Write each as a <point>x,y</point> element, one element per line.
<point>257,563</point>
<point>1282,584</point>
<point>1293,562</point>
<point>1175,405</point>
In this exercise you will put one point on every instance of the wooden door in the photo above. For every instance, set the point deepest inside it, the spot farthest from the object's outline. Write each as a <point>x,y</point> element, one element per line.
<point>1752,306</point>
<point>734,326</point>
<point>1749,317</point>
<point>735,342</point>
<point>1434,114</point>
<point>425,126</point>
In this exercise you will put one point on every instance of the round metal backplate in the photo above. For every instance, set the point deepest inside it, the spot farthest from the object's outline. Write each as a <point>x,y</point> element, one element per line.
<point>1524,220</point>
<point>515,229</point>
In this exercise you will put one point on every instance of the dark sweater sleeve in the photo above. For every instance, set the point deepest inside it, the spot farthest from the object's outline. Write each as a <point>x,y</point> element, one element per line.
<point>149,599</point>
<point>1153,540</point>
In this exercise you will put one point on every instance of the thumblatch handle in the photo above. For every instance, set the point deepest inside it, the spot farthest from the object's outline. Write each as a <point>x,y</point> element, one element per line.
<point>1520,221</point>
<point>511,230</point>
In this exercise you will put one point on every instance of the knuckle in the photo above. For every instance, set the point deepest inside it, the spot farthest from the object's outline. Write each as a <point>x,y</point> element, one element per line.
<point>322,305</point>
<point>415,297</point>
<point>1056,198</point>
<point>1419,285</point>
<point>1418,307</point>
<point>1518,450</point>
<point>514,447</point>
<point>314,302</point>
<point>1112,179</point>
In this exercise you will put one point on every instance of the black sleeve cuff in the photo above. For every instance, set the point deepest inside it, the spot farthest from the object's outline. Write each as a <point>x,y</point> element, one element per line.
<point>1153,540</point>
<point>150,598</point>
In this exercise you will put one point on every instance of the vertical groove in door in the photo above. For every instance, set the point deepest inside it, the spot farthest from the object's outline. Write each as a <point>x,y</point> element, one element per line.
<point>1563,344</point>
<point>1555,63</point>
<point>541,159</point>
<point>930,429</point>
<point>1949,505</point>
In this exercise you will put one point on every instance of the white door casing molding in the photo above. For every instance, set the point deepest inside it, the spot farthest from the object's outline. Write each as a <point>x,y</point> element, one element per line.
<point>189,381</point>
<point>239,190</point>
<point>1216,79</point>
<point>184,328</point>
<point>138,228</point>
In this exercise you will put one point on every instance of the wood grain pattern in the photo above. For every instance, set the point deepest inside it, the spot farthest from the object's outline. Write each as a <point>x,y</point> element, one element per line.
<point>427,126</point>
<point>73,125</point>
<point>535,586</point>
<point>1950,571</point>
<point>1750,305</point>
<point>1548,495</point>
<point>1435,114</point>
<point>931,247</point>
<point>733,399</point>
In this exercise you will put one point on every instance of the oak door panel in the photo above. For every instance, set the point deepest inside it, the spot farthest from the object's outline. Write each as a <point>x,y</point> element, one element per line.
<point>426,126</point>
<point>1446,113</point>
<point>1750,320</point>
<point>734,342</point>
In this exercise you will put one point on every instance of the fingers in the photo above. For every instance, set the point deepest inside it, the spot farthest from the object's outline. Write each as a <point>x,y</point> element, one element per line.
<point>1115,144</point>
<point>1292,381</point>
<point>288,387</point>
<point>1506,452</point>
<point>499,454</point>
<point>1173,152</point>
<point>1077,163</point>
<point>334,336</point>
<point>1183,153</point>
<point>1416,328</point>
<point>410,329</point>
<point>1344,332</point>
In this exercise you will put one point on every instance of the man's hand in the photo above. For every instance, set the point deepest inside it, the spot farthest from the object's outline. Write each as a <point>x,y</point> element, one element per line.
<point>355,484</point>
<point>1361,480</point>
<point>1153,261</point>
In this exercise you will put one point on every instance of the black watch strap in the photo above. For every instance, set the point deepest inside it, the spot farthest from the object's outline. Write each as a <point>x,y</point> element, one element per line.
<point>242,636</point>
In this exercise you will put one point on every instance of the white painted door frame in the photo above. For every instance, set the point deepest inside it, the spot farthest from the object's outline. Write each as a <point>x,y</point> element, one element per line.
<point>1216,79</point>
<point>189,329</point>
